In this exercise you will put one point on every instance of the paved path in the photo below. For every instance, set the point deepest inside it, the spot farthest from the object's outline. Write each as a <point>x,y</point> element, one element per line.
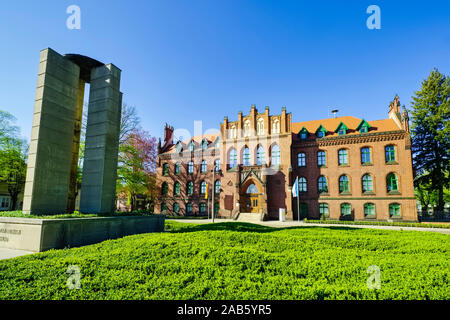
<point>286,224</point>
<point>12,253</point>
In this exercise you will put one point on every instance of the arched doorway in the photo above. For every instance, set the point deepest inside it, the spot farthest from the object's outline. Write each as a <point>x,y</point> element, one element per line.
<point>251,197</point>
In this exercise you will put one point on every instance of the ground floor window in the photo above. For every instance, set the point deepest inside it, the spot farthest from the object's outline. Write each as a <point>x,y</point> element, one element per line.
<point>216,207</point>
<point>176,207</point>
<point>394,210</point>
<point>303,210</point>
<point>202,208</point>
<point>5,202</point>
<point>346,209</point>
<point>369,210</point>
<point>163,207</point>
<point>323,210</point>
<point>189,207</point>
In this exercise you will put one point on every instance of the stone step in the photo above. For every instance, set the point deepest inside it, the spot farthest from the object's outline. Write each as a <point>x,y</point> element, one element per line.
<point>249,217</point>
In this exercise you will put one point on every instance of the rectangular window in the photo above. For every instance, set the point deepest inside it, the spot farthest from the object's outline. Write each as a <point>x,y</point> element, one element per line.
<point>365,155</point>
<point>390,153</point>
<point>301,160</point>
<point>394,210</point>
<point>343,157</point>
<point>346,209</point>
<point>323,209</point>
<point>369,209</point>
<point>321,161</point>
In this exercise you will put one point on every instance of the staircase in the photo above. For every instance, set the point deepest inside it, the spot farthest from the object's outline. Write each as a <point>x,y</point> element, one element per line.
<point>249,217</point>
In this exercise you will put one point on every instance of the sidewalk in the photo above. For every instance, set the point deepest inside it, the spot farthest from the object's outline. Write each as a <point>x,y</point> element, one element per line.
<point>287,224</point>
<point>12,253</point>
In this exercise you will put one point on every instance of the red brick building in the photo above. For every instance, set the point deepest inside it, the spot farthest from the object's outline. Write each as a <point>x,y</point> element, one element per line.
<point>346,168</point>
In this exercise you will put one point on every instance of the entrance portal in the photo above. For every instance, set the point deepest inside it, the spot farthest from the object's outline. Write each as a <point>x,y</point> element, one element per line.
<point>252,201</point>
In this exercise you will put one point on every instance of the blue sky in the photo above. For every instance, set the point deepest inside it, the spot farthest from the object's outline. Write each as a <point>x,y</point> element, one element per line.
<point>202,60</point>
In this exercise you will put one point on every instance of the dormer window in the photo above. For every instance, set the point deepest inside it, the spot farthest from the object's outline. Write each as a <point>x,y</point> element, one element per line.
<point>341,129</point>
<point>363,127</point>
<point>204,144</point>
<point>191,146</point>
<point>303,134</point>
<point>321,131</point>
<point>179,147</point>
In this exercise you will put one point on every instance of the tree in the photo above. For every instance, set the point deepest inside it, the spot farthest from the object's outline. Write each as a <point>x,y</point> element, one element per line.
<point>13,157</point>
<point>430,135</point>
<point>137,166</point>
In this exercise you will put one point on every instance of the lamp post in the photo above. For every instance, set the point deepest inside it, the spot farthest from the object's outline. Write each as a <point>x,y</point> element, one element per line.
<point>214,171</point>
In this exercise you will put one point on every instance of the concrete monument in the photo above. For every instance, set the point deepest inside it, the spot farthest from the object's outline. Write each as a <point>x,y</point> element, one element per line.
<point>51,181</point>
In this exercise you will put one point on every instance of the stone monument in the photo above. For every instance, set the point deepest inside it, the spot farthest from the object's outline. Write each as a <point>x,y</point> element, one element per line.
<point>51,181</point>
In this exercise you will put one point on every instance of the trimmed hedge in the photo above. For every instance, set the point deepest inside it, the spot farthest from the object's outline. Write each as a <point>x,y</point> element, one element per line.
<point>239,261</point>
<point>383,223</point>
<point>76,214</point>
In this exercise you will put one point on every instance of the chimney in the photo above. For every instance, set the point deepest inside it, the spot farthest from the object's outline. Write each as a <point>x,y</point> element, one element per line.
<point>394,111</point>
<point>168,135</point>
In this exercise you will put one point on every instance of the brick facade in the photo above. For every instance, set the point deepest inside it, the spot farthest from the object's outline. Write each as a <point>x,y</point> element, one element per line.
<point>261,182</point>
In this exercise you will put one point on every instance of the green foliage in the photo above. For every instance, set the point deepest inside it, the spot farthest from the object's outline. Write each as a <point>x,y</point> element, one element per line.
<point>383,223</point>
<point>13,156</point>
<point>239,261</point>
<point>76,214</point>
<point>430,134</point>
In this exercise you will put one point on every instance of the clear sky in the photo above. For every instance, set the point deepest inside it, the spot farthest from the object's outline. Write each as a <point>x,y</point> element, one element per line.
<point>202,60</point>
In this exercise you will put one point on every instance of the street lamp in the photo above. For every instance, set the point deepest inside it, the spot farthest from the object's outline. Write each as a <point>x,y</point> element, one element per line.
<point>214,171</point>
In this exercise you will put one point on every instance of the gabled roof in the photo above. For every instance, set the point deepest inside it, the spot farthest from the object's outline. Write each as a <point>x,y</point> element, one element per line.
<point>197,141</point>
<point>351,122</point>
<point>363,123</point>
<point>340,126</point>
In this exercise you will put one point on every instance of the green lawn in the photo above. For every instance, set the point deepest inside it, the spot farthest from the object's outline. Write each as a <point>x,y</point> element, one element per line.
<point>240,261</point>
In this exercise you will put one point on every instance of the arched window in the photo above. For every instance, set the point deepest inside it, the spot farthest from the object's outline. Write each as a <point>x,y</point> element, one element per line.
<point>260,156</point>
<point>343,157</point>
<point>322,184</point>
<point>177,188</point>
<point>389,154</point>
<point>252,189</point>
<point>392,182</point>
<point>164,189</point>
<point>246,128</point>
<point>189,207</point>
<point>260,127</point>
<point>217,187</point>
<point>233,158</point>
<point>276,126</point>
<point>204,166</point>
<point>323,210</point>
<point>343,184</point>
<point>203,187</point>
<point>369,210</point>
<point>177,168</point>
<point>365,155</point>
<point>302,185</point>
<point>321,158</point>
<point>190,188</point>
<point>217,165</point>
<point>232,133</point>
<point>367,183</point>
<point>276,158</point>
<point>246,157</point>
<point>191,167</point>
<point>301,159</point>
<point>165,169</point>
<point>176,207</point>
<point>394,210</point>
<point>346,209</point>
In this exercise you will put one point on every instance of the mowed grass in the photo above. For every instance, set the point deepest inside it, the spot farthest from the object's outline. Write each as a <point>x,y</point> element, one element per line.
<point>239,261</point>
